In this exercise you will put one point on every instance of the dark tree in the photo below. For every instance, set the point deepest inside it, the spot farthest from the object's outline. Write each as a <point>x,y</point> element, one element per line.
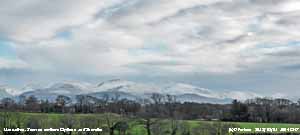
<point>32,104</point>
<point>61,102</point>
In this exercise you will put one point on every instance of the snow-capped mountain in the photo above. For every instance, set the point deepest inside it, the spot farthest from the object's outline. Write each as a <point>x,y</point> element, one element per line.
<point>68,88</point>
<point>51,92</point>
<point>181,89</point>
<point>31,87</point>
<point>202,99</point>
<point>239,95</point>
<point>4,92</point>
<point>141,88</point>
<point>11,91</point>
<point>135,91</point>
<point>125,86</point>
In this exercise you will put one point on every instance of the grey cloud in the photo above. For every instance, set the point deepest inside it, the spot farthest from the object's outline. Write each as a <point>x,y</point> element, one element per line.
<point>36,20</point>
<point>160,63</point>
<point>288,53</point>
<point>293,67</point>
<point>207,42</point>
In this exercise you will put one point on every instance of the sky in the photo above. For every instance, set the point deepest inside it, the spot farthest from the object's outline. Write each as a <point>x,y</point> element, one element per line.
<point>244,45</point>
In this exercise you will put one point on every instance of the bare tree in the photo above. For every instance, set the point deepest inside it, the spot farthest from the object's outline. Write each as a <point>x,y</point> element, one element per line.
<point>8,103</point>
<point>32,104</point>
<point>61,102</point>
<point>111,120</point>
<point>157,98</point>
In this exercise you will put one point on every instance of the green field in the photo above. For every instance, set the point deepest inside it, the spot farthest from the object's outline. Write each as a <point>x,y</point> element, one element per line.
<point>135,126</point>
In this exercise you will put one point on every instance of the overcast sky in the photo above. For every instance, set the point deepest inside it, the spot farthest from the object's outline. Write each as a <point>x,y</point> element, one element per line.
<point>251,45</point>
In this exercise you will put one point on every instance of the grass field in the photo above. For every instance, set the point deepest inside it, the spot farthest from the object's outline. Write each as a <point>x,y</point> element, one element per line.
<point>136,126</point>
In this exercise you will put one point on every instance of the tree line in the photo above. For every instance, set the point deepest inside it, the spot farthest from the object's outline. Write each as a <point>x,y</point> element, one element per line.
<point>161,115</point>
<point>265,110</point>
<point>162,106</point>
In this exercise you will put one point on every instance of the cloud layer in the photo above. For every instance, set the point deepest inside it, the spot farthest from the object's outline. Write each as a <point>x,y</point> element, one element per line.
<point>190,39</point>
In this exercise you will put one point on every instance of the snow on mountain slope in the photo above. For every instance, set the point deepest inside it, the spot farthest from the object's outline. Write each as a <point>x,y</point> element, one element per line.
<point>10,91</point>
<point>4,92</point>
<point>134,90</point>
<point>67,88</point>
<point>184,92</point>
<point>180,88</point>
<point>51,92</point>
<point>125,86</point>
<point>202,99</point>
<point>239,95</point>
<point>31,87</point>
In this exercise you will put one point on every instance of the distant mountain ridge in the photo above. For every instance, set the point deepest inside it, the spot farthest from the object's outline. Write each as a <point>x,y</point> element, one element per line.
<point>4,93</point>
<point>133,91</point>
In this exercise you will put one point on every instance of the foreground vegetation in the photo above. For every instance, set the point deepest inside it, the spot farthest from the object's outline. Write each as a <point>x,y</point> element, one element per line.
<point>113,124</point>
<point>261,110</point>
<point>159,115</point>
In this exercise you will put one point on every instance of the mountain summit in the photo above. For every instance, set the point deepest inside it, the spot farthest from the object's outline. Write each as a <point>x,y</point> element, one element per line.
<point>133,90</point>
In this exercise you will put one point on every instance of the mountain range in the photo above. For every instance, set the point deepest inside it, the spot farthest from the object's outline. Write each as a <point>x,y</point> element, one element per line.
<point>127,90</point>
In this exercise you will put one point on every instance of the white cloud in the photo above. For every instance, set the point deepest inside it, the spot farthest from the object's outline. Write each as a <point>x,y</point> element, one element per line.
<point>37,20</point>
<point>290,6</point>
<point>178,36</point>
<point>12,64</point>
